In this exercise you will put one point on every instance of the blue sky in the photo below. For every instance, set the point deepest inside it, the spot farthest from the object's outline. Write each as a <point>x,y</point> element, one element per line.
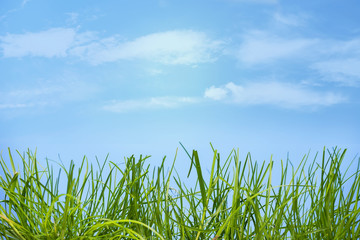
<point>137,77</point>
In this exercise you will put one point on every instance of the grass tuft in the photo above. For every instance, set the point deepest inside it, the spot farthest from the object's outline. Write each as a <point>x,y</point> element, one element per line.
<point>236,200</point>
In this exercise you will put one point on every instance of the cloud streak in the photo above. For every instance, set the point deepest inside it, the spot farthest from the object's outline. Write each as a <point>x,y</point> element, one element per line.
<point>148,104</point>
<point>283,95</point>
<point>259,47</point>
<point>47,94</point>
<point>50,43</point>
<point>272,93</point>
<point>345,71</point>
<point>14,106</point>
<point>184,47</point>
<point>172,47</point>
<point>289,19</point>
<point>336,61</point>
<point>339,62</point>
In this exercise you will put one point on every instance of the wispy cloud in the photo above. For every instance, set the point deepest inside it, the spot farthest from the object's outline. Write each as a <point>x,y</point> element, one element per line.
<point>290,19</point>
<point>14,105</point>
<point>28,97</point>
<point>149,103</point>
<point>172,47</point>
<point>24,2</point>
<point>72,17</point>
<point>14,10</point>
<point>260,47</point>
<point>344,71</point>
<point>50,93</point>
<point>284,95</point>
<point>273,93</point>
<point>339,61</point>
<point>342,48</point>
<point>50,43</point>
<point>155,71</point>
<point>216,93</point>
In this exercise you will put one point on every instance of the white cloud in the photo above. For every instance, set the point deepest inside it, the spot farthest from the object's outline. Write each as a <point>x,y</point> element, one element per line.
<point>338,61</point>
<point>260,47</point>
<point>172,47</point>
<point>150,103</point>
<point>14,106</point>
<point>216,93</point>
<point>342,48</point>
<point>155,72</point>
<point>345,71</point>
<point>47,93</point>
<point>24,2</point>
<point>72,17</point>
<point>50,43</point>
<point>14,10</point>
<point>289,19</point>
<point>274,93</point>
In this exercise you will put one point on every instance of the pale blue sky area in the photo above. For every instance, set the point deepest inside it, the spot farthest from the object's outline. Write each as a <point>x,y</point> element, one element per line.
<point>124,77</point>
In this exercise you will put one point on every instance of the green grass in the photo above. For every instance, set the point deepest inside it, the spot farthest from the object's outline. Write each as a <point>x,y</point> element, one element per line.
<point>235,200</point>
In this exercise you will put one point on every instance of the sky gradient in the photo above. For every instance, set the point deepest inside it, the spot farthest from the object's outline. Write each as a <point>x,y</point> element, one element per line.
<point>136,77</point>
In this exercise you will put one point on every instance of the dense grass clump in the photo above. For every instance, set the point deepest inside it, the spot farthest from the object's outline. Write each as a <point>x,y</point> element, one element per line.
<point>235,200</point>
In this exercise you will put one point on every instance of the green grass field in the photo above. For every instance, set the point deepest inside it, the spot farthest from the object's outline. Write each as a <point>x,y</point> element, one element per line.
<point>236,199</point>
